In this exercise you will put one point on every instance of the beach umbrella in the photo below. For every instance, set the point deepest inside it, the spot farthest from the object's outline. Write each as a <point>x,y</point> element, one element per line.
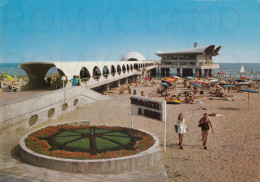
<point>169,83</point>
<point>227,86</point>
<point>168,79</point>
<point>164,84</point>
<point>257,79</point>
<point>230,86</point>
<point>221,83</point>
<point>189,77</point>
<point>10,78</point>
<point>196,84</point>
<point>221,73</point>
<point>248,90</point>
<point>146,78</point>
<point>244,78</point>
<point>213,81</point>
<point>243,83</point>
<point>176,77</point>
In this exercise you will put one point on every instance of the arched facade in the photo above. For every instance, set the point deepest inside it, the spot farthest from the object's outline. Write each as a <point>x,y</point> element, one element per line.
<point>91,72</point>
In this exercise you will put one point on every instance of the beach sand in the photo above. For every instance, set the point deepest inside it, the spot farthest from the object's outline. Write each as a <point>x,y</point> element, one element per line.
<point>233,151</point>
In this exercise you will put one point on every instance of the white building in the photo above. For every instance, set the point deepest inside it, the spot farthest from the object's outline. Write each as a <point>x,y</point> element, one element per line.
<point>197,58</point>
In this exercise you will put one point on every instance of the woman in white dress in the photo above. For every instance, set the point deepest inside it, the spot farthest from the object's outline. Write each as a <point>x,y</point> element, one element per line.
<point>181,129</point>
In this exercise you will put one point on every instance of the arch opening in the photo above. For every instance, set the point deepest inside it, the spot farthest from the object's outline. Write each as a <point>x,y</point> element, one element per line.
<point>123,68</point>
<point>131,67</point>
<point>105,71</point>
<point>96,73</point>
<point>84,74</point>
<point>127,67</point>
<point>118,69</point>
<point>136,66</point>
<point>113,70</point>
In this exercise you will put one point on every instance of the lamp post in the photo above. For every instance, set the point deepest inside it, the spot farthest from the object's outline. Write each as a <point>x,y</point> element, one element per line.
<point>63,78</point>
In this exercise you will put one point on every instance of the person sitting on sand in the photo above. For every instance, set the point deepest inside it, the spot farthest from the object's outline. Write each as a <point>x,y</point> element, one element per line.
<point>181,129</point>
<point>196,90</point>
<point>204,123</point>
<point>142,93</point>
<point>186,100</point>
<point>173,97</point>
<point>178,98</point>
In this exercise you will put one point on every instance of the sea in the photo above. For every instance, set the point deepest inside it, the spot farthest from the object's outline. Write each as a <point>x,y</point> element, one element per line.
<point>230,69</point>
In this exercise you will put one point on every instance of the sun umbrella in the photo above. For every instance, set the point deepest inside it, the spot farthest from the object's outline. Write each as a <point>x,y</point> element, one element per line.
<point>164,84</point>
<point>189,77</point>
<point>243,83</point>
<point>196,84</point>
<point>176,77</point>
<point>168,79</point>
<point>257,80</point>
<point>10,78</point>
<point>213,81</point>
<point>223,84</point>
<point>146,78</point>
<point>230,86</point>
<point>244,78</point>
<point>248,90</point>
<point>169,83</point>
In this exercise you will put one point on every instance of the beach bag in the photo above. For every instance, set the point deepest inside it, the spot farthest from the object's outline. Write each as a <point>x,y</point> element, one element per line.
<point>176,128</point>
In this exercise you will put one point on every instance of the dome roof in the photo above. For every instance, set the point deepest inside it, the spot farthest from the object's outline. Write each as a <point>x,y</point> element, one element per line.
<point>132,56</point>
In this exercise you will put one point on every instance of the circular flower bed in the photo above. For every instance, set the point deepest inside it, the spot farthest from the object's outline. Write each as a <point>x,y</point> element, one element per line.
<point>88,142</point>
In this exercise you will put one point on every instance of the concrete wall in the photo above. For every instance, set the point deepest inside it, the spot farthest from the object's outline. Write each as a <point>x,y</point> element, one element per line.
<point>21,114</point>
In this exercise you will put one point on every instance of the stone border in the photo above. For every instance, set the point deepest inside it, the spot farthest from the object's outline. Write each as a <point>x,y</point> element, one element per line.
<point>143,160</point>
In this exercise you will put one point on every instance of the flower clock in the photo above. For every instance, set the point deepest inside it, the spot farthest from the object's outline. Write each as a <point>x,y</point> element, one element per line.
<point>88,142</point>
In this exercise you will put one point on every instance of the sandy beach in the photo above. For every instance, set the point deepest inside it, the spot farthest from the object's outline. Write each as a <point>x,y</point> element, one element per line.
<point>233,151</point>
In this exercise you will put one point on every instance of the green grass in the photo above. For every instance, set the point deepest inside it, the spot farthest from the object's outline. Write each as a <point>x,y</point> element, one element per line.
<point>121,140</point>
<point>104,144</point>
<point>83,130</point>
<point>62,140</point>
<point>82,143</point>
<point>67,133</point>
<point>102,130</point>
<point>116,134</point>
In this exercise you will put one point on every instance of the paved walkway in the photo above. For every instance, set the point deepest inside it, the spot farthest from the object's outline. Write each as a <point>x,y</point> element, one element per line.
<point>10,96</point>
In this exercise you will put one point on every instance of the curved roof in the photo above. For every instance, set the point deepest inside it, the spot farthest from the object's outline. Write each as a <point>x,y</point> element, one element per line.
<point>132,55</point>
<point>196,50</point>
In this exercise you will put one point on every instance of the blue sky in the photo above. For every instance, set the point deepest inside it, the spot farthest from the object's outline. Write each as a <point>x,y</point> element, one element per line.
<point>103,30</point>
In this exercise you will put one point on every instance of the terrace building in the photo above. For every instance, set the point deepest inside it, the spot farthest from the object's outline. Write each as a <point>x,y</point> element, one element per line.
<point>197,58</point>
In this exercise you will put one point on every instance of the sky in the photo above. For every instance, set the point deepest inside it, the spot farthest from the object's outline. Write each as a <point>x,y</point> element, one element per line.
<point>104,30</point>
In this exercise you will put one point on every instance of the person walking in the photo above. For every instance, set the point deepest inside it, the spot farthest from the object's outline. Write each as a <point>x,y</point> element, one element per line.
<point>181,128</point>
<point>205,124</point>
